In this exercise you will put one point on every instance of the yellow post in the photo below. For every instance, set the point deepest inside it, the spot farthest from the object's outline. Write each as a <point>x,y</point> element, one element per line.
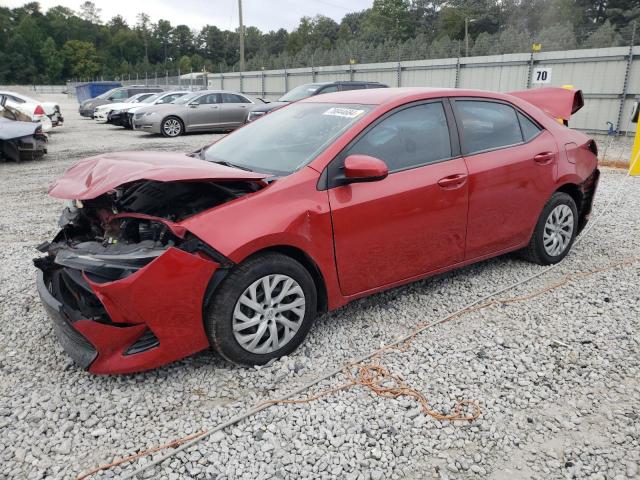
<point>634,161</point>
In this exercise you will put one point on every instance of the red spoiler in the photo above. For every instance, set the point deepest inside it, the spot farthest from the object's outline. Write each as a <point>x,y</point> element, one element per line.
<point>555,101</point>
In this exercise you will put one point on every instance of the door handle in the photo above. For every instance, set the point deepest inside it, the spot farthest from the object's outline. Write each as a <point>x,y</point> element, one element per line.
<point>453,181</point>
<point>544,158</point>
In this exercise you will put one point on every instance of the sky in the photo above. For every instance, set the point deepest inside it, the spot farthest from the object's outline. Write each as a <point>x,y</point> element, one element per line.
<point>264,14</point>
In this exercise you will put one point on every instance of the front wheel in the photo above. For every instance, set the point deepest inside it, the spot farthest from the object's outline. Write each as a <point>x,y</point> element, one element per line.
<point>555,231</point>
<point>263,310</point>
<point>171,127</point>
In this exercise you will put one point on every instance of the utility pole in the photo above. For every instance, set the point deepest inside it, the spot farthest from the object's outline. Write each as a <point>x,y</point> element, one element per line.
<point>467,20</point>
<point>241,36</point>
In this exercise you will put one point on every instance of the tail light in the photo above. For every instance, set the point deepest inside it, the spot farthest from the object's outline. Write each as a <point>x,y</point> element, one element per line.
<point>39,110</point>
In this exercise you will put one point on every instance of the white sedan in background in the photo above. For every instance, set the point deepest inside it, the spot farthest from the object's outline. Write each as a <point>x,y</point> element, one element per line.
<point>48,113</point>
<point>101,112</point>
<point>124,116</point>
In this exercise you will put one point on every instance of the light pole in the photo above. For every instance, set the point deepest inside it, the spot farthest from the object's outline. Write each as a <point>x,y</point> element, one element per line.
<point>241,36</point>
<point>467,21</point>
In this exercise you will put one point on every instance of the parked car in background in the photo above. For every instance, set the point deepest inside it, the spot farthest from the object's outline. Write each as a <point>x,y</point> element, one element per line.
<point>202,111</point>
<point>124,116</point>
<point>309,90</point>
<point>87,107</point>
<point>35,108</point>
<point>330,199</point>
<point>101,113</point>
<point>27,112</point>
<point>19,140</point>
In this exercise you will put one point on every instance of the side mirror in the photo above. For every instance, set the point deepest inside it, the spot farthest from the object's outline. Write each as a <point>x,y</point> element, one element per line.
<point>364,168</point>
<point>193,105</point>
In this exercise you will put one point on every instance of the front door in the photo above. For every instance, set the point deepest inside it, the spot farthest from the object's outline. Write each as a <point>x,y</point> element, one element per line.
<point>512,165</point>
<point>413,221</point>
<point>204,112</point>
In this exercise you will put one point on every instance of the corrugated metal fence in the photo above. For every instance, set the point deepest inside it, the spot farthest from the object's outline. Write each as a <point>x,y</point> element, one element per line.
<point>608,77</point>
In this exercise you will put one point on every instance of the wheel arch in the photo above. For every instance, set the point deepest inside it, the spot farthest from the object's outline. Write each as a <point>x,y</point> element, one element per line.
<point>309,264</point>
<point>574,192</point>
<point>177,117</point>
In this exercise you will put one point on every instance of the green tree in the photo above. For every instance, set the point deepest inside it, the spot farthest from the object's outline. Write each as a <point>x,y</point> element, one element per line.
<point>52,60</point>
<point>185,64</point>
<point>605,36</point>
<point>81,58</point>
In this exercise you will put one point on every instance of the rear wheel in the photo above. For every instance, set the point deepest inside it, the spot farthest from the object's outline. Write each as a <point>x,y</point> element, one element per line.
<point>172,127</point>
<point>555,231</point>
<point>263,310</point>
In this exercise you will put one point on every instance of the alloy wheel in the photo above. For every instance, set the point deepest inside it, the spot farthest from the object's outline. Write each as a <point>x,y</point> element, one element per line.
<point>268,314</point>
<point>558,230</point>
<point>172,127</point>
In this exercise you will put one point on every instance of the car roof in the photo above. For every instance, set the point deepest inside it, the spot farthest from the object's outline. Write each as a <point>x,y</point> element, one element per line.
<point>382,96</point>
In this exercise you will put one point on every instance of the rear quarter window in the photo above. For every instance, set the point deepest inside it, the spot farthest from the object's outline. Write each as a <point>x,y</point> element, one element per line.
<point>529,128</point>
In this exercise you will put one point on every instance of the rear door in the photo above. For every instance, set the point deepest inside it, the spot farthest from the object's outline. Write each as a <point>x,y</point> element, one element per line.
<point>413,221</point>
<point>234,109</point>
<point>512,165</point>
<point>204,112</point>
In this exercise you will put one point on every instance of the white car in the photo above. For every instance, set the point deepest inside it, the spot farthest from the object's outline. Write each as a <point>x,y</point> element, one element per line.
<point>48,113</point>
<point>101,112</point>
<point>124,116</point>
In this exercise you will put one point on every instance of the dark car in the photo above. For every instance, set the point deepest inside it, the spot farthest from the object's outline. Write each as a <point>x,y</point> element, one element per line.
<point>309,90</point>
<point>114,95</point>
<point>330,199</point>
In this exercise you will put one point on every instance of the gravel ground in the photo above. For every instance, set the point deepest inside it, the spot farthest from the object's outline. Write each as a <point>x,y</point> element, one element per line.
<point>557,377</point>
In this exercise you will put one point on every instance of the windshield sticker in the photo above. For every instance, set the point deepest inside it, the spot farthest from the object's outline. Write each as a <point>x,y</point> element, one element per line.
<point>343,112</point>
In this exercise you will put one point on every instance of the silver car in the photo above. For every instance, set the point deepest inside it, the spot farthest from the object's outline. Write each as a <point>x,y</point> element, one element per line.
<point>197,112</point>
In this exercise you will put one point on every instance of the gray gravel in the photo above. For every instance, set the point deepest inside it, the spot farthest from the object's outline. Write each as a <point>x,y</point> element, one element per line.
<point>557,377</point>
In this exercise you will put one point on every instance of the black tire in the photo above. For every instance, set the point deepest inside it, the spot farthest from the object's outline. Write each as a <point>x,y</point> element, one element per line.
<point>219,313</point>
<point>535,252</point>
<point>179,130</point>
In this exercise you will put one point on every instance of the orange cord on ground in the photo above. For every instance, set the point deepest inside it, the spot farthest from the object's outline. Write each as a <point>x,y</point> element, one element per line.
<point>381,381</point>
<point>144,453</point>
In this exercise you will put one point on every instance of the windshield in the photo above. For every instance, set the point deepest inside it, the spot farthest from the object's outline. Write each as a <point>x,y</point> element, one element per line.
<point>187,98</point>
<point>107,93</point>
<point>151,98</point>
<point>298,93</point>
<point>287,139</point>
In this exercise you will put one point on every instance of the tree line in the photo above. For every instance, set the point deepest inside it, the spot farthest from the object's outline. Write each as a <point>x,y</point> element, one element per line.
<point>61,44</point>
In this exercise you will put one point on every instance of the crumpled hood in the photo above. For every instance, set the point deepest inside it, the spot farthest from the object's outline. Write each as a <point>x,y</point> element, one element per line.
<point>94,176</point>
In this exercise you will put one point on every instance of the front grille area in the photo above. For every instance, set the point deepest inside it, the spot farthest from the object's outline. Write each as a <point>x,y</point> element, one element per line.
<point>147,341</point>
<point>74,343</point>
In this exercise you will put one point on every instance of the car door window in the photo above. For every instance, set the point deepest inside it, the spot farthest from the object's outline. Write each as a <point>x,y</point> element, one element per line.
<point>487,125</point>
<point>208,99</point>
<point>233,98</point>
<point>121,94</point>
<point>529,128</point>
<point>414,136</point>
<point>353,87</point>
<point>329,89</point>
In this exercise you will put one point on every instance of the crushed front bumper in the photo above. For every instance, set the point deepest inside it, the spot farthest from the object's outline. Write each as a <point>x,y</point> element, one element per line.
<point>119,119</point>
<point>142,321</point>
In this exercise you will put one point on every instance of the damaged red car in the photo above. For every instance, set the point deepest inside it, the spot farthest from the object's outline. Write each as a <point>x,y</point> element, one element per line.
<point>239,246</point>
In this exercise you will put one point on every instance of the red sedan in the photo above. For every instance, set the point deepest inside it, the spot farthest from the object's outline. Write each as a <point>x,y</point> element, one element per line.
<point>329,199</point>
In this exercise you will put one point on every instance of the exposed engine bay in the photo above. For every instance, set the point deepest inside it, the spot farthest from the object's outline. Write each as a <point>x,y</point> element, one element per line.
<point>117,233</point>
